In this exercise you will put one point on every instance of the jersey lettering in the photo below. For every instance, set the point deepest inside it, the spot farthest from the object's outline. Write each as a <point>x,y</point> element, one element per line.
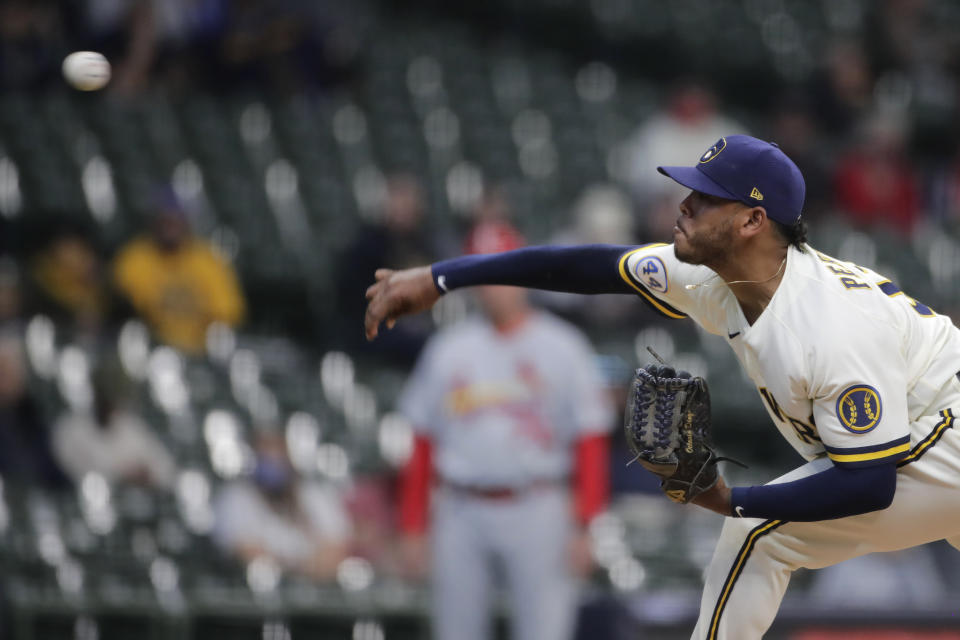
<point>921,308</point>
<point>840,271</point>
<point>893,291</point>
<point>771,402</point>
<point>807,432</point>
<point>825,258</point>
<point>846,274</point>
<point>844,271</point>
<point>853,283</point>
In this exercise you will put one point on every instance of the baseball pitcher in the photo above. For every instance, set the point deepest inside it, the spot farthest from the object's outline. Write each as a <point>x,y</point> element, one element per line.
<point>860,378</point>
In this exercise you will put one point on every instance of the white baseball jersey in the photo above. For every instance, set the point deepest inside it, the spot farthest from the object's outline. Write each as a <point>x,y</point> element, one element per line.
<point>503,410</point>
<point>845,362</point>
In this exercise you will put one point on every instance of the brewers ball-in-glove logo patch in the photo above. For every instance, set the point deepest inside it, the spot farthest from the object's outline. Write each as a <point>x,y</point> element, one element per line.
<point>859,408</point>
<point>652,273</point>
<point>713,151</point>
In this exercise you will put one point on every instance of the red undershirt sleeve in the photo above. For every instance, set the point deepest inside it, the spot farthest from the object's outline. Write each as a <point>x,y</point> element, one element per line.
<point>415,480</point>
<point>591,486</point>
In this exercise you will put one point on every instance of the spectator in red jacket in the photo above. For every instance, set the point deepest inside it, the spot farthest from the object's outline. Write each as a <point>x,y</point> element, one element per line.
<point>875,185</point>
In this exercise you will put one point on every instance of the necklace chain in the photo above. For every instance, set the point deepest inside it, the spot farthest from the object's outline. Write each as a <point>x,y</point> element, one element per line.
<point>708,283</point>
<point>779,269</point>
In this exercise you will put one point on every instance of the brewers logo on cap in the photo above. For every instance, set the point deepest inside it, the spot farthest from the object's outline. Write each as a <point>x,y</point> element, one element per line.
<point>713,151</point>
<point>859,408</point>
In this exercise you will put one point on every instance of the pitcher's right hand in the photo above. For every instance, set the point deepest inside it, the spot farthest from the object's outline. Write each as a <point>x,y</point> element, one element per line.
<point>398,293</point>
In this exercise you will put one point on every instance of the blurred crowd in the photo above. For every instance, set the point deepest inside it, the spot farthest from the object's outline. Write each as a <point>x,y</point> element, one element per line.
<point>175,282</point>
<point>284,45</point>
<point>185,291</point>
<point>872,121</point>
<point>874,128</point>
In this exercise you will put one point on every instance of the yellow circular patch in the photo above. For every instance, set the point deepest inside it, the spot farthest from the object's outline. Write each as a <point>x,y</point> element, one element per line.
<point>859,408</point>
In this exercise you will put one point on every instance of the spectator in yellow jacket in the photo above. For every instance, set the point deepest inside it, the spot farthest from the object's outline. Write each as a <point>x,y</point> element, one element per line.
<point>177,282</point>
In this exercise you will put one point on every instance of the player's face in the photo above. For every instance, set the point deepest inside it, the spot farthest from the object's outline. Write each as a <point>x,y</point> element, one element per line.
<point>501,303</point>
<point>704,231</point>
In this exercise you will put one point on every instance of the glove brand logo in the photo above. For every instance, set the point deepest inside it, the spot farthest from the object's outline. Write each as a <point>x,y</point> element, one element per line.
<point>714,151</point>
<point>859,408</point>
<point>688,430</point>
<point>677,495</point>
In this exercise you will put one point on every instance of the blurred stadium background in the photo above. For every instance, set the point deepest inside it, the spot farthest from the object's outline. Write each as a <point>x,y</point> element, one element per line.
<point>288,134</point>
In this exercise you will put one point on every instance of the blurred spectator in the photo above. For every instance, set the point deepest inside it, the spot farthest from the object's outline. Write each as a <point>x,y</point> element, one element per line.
<point>797,132</point>
<point>301,524</point>
<point>843,90</point>
<point>111,439</point>
<point>272,44</point>
<point>601,215</point>
<point>901,33</point>
<point>279,45</point>
<point>493,206</point>
<point>914,45</point>
<point>32,43</point>
<point>10,297</point>
<point>69,283</point>
<point>370,505</point>
<point>171,42</point>
<point>398,240</point>
<point>125,31</point>
<point>687,127</point>
<point>875,183</point>
<point>177,281</point>
<point>508,411</point>
<point>945,195</point>
<point>25,455</point>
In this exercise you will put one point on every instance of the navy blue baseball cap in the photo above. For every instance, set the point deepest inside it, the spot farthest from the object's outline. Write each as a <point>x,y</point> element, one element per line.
<point>748,170</point>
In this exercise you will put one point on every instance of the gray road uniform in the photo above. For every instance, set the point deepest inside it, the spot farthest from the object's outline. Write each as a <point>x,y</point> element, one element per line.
<point>503,412</point>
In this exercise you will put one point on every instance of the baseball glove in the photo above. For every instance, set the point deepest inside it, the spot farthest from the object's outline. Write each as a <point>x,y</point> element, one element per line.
<point>667,424</point>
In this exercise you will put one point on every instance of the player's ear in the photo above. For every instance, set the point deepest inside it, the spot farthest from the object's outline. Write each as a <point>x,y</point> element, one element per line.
<point>753,220</point>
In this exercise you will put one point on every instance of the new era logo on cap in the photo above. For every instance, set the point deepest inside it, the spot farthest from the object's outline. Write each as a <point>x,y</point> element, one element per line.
<point>748,170</point>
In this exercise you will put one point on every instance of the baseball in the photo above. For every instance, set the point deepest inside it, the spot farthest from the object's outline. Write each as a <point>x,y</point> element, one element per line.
<point>86,70</point>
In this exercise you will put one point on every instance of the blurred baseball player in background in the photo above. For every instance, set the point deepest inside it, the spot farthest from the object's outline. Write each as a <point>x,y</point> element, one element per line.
<point>509,409</point>
<point>858,377</point>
